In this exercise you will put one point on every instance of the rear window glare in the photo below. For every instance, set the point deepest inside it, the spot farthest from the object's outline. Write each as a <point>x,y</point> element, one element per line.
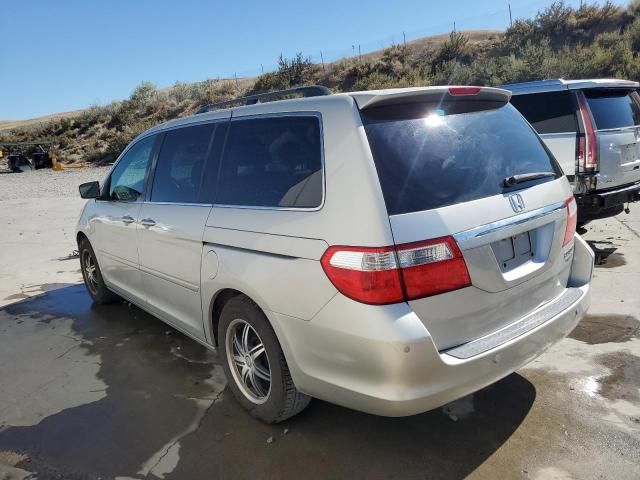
<point>433,155</point>
<point>553,112</point>
<point>613,108</point>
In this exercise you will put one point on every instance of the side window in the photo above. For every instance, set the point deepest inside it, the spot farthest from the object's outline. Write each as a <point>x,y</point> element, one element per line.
<point>180,164</point>
<point>127,179</point>
<point>272,162</point>
<point>552,112</point>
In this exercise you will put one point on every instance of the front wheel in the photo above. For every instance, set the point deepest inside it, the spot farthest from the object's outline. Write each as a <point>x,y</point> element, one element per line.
<point>96,287</point>
<point>257,372</point>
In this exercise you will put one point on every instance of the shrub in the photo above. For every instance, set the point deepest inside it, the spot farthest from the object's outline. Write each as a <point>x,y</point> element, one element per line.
<point>555,20</point>
<point>456,47</point>
<point>396,53</point>
<point>142,95</point>
<point>633,34</point>
<point>291,72</point>
<point>270,81</point>
<point>516,37</point>
<point>452,73</point>
<point>296,70</point>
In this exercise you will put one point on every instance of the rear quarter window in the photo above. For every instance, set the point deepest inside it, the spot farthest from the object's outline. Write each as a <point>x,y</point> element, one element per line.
<point>613,108</point>
<point>433,155</point>
<point>272,162</point>
<point>553,112</point>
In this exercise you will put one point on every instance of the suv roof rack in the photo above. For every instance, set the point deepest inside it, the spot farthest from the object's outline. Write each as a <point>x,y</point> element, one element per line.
<point>306,91</point>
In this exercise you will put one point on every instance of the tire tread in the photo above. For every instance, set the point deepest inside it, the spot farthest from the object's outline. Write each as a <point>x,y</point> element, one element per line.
<point>293,400</point>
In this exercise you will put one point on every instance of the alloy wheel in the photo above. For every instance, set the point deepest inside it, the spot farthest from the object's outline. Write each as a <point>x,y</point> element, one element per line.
<point>248,361</point>
<point>90,270</point>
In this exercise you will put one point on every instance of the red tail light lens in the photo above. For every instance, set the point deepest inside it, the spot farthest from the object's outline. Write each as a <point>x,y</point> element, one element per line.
<point>395,274</point>
<point>368,275</point>
<point>432,267</point>
<point>587,144</point>
<point>455,91</point>
<point>572,220</point>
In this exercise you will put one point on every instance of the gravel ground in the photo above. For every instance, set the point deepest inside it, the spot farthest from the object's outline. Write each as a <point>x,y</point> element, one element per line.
<point>47,183</point>
<point>89,392</point>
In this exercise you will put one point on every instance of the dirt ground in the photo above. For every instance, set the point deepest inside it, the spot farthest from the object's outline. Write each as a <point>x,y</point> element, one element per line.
<point>111,392</point>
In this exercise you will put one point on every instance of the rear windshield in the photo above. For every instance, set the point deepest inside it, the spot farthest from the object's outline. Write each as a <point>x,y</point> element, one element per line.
<point>433,155</point>
<point>614,108</point>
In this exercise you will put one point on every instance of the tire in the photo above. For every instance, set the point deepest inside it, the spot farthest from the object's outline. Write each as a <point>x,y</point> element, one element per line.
<point>96,287</point>
<point>282,400</point>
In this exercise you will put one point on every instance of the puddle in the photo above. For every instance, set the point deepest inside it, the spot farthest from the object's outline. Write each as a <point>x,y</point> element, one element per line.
<point>612,260</point>
<point>596,329</point>
<point>622,383</point>
<point>606,256</point>
<point>81,405</point>
<point>161,410</point>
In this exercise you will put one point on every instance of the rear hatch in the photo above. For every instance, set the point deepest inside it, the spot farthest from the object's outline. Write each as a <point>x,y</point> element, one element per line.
<point>615,116</point>
<point>462,166</point>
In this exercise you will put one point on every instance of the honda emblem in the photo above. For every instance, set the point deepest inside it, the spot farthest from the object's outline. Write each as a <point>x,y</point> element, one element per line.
<point>517,203</point>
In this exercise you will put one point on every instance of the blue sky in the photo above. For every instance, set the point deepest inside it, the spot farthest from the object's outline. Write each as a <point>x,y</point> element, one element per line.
<point>63,55</point>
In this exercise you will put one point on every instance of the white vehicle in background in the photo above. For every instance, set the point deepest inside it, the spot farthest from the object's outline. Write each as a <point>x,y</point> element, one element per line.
<point>389,251</point>
<point>592,127</point>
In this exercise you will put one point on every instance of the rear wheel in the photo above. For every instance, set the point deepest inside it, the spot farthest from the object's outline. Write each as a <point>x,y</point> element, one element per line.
<point>257,372</point>
<point>92,277</point>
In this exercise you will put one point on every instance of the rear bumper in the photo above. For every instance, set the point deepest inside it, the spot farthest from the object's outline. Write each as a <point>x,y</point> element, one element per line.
<point>382,360</point>
<point>606,203</point>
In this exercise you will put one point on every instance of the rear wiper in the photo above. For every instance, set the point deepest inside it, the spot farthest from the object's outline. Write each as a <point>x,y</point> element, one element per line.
<point>525,177</point>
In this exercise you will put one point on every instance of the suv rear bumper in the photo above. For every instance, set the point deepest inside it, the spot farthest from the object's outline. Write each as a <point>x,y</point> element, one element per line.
<point>607,203</point>
<point>382,360</point>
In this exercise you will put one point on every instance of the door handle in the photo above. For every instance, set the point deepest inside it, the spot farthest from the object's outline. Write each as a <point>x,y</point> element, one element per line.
<point>147,222</point>
<point>127,219</point>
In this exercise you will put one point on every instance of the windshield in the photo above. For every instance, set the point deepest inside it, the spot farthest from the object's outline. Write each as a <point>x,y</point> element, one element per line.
<point>433,155</point>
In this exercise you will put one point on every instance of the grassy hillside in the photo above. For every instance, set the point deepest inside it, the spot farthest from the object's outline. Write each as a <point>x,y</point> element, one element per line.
<point>592,41</point>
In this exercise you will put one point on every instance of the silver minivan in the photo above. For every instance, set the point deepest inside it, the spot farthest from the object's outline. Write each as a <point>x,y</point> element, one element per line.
<point>389,251</point>
<point>592,127</point>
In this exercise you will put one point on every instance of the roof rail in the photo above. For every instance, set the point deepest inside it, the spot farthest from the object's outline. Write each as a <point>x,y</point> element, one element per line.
<point>307,91</point>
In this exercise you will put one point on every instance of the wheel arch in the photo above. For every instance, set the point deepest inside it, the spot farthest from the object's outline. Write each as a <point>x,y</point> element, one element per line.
<point>216,305</point>
<point>81,236</point>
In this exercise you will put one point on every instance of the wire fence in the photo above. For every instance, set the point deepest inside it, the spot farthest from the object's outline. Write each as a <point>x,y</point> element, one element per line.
<point>500,18</point>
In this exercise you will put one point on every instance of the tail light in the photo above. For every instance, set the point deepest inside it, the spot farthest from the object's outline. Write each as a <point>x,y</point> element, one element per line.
<point>572,220</point>
<point>399,273</point>
<point>587,154</point>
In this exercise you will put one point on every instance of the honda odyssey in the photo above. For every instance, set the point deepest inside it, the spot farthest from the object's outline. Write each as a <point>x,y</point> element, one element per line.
<point>389,251</point>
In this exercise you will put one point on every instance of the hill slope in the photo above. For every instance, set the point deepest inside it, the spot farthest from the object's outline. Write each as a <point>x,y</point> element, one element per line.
<point>592,41</point>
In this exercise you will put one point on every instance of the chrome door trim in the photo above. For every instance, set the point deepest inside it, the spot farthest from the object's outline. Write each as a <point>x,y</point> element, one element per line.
<point>484,234</point>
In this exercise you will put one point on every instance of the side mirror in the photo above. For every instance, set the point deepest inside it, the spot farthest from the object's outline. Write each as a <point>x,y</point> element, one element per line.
<point>90,190</point>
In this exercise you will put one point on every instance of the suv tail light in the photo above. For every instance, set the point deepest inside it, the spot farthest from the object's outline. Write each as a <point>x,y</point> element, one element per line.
<point>587,154</point>
<point>398,273</point>
<point>572,219</point>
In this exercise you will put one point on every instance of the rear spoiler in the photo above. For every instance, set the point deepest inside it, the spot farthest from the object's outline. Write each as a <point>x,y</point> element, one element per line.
<point>394,96</point>
<point>559,84</point>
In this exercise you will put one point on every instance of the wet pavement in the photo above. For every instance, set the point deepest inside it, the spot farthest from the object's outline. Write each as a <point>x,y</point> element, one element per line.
<point>110,391</point>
